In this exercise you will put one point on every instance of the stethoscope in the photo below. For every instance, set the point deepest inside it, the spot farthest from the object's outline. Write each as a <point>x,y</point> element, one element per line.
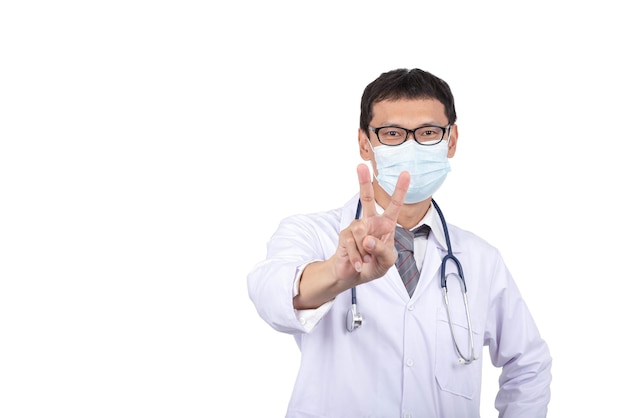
<point>354,319</point>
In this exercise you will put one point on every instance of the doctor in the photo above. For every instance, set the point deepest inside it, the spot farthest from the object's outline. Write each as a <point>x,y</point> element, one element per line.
<point>371,345</point>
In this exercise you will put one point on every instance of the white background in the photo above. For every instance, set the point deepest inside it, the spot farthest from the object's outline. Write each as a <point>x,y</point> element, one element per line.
<point>149,149</point>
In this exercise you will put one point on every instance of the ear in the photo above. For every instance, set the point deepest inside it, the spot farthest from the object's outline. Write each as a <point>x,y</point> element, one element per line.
<point>454,134</point>
<point>365,148</point>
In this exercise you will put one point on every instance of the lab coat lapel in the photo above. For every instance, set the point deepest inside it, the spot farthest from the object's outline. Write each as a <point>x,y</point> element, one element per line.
<point>395,281</point>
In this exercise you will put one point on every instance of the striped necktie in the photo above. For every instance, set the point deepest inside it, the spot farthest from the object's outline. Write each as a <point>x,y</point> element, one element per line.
<point>406,260</point>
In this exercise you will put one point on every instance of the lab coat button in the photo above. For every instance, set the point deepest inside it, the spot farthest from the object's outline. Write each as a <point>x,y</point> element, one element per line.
<point>411,307</point>
<point>409,362</point>
<point>407,415</point>
<point>303,321</point>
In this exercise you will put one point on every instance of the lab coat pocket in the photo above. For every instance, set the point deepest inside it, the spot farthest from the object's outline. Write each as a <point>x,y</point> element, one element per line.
<point>453,376</point>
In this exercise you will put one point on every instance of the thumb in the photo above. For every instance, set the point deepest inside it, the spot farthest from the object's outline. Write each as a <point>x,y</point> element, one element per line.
<point>381,249</point>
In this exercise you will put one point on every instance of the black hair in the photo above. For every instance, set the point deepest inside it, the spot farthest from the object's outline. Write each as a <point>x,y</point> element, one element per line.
<point>406,84</point>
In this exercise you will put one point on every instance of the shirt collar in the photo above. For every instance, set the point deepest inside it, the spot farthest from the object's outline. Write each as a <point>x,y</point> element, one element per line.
<point>431,219</point>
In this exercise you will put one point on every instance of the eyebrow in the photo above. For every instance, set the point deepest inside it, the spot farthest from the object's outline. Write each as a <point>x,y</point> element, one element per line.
<point>430,123</point>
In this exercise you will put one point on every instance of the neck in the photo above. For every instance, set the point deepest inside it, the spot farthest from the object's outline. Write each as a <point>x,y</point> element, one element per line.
<point>410,213</point>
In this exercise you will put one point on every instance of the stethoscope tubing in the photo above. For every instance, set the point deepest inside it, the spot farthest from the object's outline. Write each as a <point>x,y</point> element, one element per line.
<point>354,319</point>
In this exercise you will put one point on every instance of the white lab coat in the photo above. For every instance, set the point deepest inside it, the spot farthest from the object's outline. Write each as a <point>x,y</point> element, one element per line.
<point>402,362</point>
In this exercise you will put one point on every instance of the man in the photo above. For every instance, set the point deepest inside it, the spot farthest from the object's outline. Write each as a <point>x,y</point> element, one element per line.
<point>393,347</point>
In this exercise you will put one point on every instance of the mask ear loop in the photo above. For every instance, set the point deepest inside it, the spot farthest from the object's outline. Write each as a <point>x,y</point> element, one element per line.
<point>449,135</point>
<point>369,142</point>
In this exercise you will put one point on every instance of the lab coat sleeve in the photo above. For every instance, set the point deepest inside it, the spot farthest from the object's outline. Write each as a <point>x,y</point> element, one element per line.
<point>272,284</point>
<point>516,346</point>
<point>309,318</point>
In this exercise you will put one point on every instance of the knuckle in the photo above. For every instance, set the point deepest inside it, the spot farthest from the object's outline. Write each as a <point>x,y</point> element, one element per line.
<point>395,201</point>
<point>366,198</point>
<point>358,227</point>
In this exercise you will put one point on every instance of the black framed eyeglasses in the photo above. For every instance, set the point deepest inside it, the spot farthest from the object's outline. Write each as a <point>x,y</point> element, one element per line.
<point>425,135</point>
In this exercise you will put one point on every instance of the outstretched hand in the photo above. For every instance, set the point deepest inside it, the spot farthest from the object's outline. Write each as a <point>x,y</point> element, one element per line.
<point>366,247</point>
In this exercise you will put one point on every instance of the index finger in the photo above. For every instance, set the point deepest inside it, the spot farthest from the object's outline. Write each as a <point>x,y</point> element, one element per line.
<point>366,191</point>
<point>392,211</point>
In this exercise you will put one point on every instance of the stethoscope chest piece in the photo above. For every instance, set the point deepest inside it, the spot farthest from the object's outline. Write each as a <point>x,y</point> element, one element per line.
<point>353,319</point>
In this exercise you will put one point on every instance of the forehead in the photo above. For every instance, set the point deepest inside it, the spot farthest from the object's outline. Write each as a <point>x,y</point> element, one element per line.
<point>409,110</point>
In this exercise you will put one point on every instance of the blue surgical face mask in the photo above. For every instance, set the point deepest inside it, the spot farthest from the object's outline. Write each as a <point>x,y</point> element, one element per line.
<point>427,164</point>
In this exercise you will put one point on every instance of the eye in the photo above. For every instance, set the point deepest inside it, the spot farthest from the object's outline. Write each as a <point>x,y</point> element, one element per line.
<point>392,135</point>
<point>430,132</point>
<point>391,132</point>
